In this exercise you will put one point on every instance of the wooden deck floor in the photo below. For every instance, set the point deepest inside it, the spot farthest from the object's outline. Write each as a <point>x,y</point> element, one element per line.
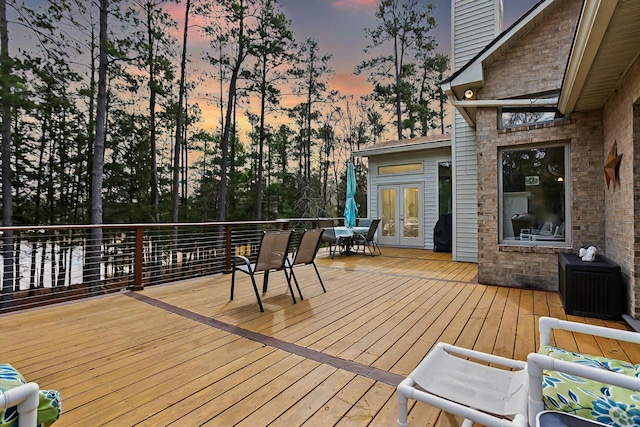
<point>183,354</point>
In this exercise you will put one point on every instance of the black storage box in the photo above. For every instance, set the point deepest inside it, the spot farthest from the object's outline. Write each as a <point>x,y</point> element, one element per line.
<point>591,289</point>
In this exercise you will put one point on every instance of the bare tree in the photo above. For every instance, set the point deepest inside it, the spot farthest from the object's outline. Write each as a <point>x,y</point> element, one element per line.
<point>237,14</point>
<point>180,116</point>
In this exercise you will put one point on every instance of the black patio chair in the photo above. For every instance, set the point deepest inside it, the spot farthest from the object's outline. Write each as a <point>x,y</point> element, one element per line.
<point>272,255</point>
<point>367,240</point>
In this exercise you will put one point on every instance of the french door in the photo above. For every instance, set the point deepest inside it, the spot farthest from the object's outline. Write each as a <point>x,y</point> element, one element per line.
<point>402,214</point>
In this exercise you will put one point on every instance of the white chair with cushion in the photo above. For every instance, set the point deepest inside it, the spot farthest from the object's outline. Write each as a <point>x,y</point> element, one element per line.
<point>592,387</point>
<point>23,404</point>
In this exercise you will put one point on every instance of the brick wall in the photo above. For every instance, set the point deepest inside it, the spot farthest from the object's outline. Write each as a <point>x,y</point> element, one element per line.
<point>621,124</point>
<point>537,62</point>
<point>529,265</point>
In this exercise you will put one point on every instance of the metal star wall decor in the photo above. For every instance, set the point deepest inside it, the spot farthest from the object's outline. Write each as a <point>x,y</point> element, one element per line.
<point>612,165</point>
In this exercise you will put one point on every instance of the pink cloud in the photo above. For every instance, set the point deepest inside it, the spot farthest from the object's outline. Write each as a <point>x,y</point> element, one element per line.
<point>355,4</point>
<point>349,84</point>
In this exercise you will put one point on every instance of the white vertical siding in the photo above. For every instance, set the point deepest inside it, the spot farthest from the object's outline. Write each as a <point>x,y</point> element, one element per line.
<point>465,222</point>
<point>475,24</point>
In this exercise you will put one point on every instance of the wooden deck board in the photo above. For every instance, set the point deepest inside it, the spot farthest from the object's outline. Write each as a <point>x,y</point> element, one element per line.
<point>120,360</point>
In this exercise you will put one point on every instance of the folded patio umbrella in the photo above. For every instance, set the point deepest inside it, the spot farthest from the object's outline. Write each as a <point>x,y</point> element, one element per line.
<point>350,208</point>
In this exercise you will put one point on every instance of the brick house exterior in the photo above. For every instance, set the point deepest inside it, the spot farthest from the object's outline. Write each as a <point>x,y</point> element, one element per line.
<point>587,53</point>
<point>590,54</point>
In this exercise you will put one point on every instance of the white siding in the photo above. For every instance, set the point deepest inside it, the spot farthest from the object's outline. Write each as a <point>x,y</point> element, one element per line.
<point>465,208</point>
<point>428,178</point>
<point>475,24</point>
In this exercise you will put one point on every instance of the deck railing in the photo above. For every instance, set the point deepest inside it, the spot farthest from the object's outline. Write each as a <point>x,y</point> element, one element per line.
<point>51,264</point>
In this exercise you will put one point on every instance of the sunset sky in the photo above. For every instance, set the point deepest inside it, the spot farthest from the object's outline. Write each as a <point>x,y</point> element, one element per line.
<point>339,26</point>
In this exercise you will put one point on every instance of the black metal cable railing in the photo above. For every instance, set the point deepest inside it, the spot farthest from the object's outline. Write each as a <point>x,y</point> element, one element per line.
<point>50,264</point>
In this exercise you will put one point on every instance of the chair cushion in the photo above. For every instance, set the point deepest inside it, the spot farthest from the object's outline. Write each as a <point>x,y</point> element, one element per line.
<point>588,398</point>
<point>49,408</point>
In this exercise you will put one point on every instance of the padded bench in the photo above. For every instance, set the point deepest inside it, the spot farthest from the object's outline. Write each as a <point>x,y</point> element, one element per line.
<point>18,396</point>
<point>591,399</point>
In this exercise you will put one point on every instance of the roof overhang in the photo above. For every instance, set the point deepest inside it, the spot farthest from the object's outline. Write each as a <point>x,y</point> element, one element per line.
<point>607,43</point>
<point>471,75</point>
<point>403,146</point>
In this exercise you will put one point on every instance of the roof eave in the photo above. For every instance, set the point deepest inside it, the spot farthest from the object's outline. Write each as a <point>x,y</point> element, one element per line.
<point>471,76</point>
<point>594,21</point>
<point>402,148</point>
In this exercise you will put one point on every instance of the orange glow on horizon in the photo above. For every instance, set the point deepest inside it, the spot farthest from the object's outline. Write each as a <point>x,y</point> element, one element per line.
<point>355,4</point>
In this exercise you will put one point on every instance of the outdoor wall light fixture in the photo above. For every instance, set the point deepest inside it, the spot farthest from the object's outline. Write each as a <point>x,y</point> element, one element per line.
<point>468,94</point>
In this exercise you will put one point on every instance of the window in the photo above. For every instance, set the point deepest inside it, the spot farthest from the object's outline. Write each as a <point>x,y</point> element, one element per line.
<point>396,169</point>
<point>517,116</point>
<point>509,117</point>
<point>533,199</point>
<point>444,188</point>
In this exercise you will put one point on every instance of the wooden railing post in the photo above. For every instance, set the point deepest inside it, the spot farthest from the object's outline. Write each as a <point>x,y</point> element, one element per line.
<point>138,255</point>
<point>228,247</point>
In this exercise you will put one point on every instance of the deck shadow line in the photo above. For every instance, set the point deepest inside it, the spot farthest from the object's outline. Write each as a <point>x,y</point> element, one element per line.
<point>347,365</point>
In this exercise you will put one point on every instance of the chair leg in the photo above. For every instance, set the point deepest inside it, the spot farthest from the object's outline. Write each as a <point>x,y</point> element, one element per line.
<point>255,288</point>
<point>233,282</point>
<point>375,245</point>
<point>265,282</point>
<point>289,277</point>
<point>319,278</point>
<point>368,246</point>
<point>402,410</point>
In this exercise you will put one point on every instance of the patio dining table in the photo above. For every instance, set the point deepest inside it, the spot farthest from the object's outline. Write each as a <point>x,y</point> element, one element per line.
<point>346,234</point>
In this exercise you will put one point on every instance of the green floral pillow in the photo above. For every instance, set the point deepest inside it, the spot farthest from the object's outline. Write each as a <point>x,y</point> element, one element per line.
<point>49,409</point>
<point>587,398</point>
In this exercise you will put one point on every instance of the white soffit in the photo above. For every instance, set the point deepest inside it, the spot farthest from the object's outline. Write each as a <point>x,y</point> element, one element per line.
<point>607,43</point>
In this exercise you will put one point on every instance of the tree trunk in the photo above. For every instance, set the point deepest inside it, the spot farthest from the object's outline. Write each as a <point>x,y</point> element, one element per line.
<point>224,144</point>
<point>7,201</point>
<point>152,113</point>
<point>178,145</point>
<point>263,101</point>
<point>397,89</point>
<point>95,244</point>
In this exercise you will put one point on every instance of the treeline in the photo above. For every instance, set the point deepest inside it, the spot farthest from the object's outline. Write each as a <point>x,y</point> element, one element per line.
<point>102,109</point>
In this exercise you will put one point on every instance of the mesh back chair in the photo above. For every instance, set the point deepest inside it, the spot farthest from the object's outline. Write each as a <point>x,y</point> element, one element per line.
<point>368,240</point>
<point>306,254</point>
<point>272,255</point>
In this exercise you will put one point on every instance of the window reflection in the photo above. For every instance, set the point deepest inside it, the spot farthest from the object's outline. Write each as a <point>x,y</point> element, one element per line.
<point>404,168</point>
<point>533,194</point>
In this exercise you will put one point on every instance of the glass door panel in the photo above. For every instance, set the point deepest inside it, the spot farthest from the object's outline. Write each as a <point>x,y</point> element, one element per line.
<point>388,200</point>
<point>401,208</point>
<point>411,212</point>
